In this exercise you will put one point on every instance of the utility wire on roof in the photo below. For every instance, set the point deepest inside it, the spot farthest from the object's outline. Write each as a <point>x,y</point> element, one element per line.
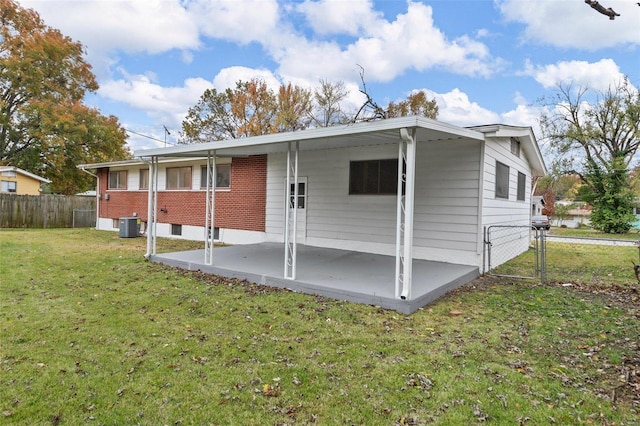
<point>148,137</point>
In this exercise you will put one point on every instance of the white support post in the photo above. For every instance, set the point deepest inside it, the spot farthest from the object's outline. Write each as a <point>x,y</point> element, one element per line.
<point>155,204</point>
<point>152,207</point>
<point>210,214</point>
<point>405,211</point>
<point>291,214</point>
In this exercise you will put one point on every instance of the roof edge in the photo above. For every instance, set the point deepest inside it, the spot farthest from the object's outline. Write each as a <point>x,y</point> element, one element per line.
<point>24,172</point>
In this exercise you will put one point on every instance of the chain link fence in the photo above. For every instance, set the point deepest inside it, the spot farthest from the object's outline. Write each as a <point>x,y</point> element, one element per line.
<point>523,246</point>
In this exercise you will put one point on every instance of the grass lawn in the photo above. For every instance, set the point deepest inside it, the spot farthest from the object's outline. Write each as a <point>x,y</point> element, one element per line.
<point>584,232</point>
<point>92,333</point>
<point>596,265</point>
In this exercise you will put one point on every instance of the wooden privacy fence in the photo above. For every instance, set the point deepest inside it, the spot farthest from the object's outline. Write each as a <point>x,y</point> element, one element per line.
<point>43,211</point>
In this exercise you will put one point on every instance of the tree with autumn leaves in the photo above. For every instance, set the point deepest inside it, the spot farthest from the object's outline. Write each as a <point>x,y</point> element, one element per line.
<point>252,109</point>
<point>45,127</point>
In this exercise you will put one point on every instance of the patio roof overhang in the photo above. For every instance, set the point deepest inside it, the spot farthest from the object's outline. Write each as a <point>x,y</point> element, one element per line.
<point>404,132</point>
<point>351,135</point>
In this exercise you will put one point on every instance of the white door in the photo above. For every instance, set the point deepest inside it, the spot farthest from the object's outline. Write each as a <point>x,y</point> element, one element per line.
<point>303,190</point>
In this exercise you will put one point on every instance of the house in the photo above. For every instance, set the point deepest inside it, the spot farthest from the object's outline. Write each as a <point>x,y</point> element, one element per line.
<point>17,181</point>
<point>571,214</point>
<point>537,204</point>
<point>390,212</point>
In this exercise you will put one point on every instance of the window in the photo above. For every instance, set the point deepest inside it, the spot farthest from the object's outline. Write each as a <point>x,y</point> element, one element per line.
<point>9,186</point>
<point>502,180</point>
<point>176,229</point>
<point>115,223</point>
<point>9,173</point>
<point>302,195</point>
<point>179,178</point>
<point>522,184</point>
<point>373,177</point>
<point>515,147</point>
<point>144,179</point>
<point>216,233</point>
<point>223,176</point>
<point>118,180</point>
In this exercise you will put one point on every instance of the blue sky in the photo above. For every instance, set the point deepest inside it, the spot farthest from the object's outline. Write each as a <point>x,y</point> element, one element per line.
<point>484,61</point>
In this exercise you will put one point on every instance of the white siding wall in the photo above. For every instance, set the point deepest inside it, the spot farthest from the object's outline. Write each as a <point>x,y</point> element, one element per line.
<point>510,211</point>
<point>446,209</point>
<point>502,211</point>
<point>447,188</point>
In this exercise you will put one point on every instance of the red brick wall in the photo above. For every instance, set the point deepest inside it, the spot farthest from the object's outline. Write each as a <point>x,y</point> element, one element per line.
<point>242,207</point>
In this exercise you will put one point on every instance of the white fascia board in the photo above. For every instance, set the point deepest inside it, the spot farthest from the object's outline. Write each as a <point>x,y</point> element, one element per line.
<point>528,140</point>
<point>23,172</point>
<point>265,143</point>
<point>125,163</point>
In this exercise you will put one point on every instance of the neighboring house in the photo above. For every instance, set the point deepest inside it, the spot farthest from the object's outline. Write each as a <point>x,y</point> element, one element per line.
<point>576,214</point>
<point>17,181</point>
<point>410,189</point>
<point>537,204</point>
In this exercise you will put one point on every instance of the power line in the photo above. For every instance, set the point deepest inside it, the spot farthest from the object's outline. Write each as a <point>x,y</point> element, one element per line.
<point>148,137</point>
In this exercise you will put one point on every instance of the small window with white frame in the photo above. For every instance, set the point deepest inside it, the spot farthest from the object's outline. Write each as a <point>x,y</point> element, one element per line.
<point>223,176</point>
<point>144,179</point>
<point>178,177</point>
<point>118,179</point>
<point>522,185</point>
<point>9,186</point>
<point>515,147</point>
<point>502,180</point>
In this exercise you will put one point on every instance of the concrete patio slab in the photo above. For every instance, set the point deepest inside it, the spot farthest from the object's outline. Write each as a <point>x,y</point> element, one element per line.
<point>339,274</point>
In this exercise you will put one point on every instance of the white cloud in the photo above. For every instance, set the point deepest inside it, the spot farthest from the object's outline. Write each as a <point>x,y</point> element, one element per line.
<point>339,16</point>
<point>574,23</point>
<point>240,21</point>
<point>384,49</point>
<point>150,26</point>
<point>170,104</point>
<point>228,77</point>
<point>599,75</point>
<point>455,107</point>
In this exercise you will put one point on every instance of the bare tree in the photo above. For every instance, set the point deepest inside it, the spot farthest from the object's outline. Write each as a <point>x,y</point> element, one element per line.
<point>370,110</point>
<point>597,140</point>
<point>328,97</point>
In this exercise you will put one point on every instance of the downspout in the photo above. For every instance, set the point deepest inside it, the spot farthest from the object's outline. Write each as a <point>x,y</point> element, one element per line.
<point>97,193</point>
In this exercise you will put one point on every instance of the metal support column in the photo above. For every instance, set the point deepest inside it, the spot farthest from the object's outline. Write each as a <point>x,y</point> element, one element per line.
<point>152,207</point>
<point>210,213</point>
<point>291,213</point>
<point>404,216</point>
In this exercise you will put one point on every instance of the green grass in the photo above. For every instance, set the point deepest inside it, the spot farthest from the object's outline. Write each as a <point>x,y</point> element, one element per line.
<point>585,232</point>
<point>588,264</point>
<point>92,333</point>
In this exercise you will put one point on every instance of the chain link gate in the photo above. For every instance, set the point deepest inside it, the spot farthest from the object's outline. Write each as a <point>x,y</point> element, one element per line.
<point>525,244</point>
